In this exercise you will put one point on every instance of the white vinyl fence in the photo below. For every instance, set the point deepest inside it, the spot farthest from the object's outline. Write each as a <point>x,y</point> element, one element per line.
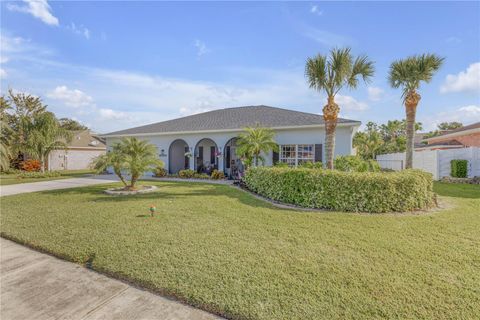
<point>437,162</point>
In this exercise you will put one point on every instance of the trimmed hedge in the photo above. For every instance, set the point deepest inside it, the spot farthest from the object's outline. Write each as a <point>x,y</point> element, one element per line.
<point>407,190</point>
<point>458,168</point>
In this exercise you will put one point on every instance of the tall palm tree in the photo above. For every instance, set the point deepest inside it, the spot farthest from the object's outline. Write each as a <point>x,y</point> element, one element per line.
<point>408,74</point>
<point>254,141</point>
<point>44,134</point>
<point>130,155</point>
<point>330,74</point>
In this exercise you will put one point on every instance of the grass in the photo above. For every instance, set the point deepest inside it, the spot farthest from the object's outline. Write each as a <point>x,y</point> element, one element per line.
<point>227,252</point>
<point>7,179</point>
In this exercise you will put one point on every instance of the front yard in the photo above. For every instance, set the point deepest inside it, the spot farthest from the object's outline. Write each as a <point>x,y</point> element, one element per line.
<point>225,251</point>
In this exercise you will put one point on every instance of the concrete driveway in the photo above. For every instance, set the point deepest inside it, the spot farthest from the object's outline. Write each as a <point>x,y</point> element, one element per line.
<point>55,184</point>
<point>38,286</point>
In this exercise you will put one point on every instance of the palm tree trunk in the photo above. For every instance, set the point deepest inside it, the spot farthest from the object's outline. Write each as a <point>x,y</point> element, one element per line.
<point>133,181</point>
<point>411,102</point>
<point>119,175</point>
<point>330,115</point>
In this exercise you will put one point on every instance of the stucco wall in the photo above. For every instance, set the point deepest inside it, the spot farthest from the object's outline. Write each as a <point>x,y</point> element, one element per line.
<point>72,159</point>
<point>343,145</point>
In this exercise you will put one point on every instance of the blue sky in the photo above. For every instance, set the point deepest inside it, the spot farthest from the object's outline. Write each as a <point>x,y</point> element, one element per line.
<point>113,65</point>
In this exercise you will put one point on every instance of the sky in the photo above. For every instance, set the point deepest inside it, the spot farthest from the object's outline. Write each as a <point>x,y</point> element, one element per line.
<point>115,65</point>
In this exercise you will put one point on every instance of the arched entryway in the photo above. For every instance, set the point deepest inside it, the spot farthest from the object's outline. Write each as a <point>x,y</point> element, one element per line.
<point>231,162</point>
<point>177,160</point>
<point>206,156</point>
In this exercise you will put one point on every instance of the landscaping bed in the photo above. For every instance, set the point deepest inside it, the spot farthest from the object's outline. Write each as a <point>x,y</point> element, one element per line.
<point>227,252</point>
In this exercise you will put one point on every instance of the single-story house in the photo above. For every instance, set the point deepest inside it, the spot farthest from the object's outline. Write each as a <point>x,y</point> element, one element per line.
<point>208,140</point>
<point>81,150</point>
<point>464,137</point>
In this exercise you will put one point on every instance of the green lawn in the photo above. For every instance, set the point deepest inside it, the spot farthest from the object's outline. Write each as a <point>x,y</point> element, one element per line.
<point>220,249</point>
<point>6,179</point>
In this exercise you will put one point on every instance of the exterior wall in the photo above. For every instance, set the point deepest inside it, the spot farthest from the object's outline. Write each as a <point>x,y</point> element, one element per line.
<point>471,140</point>
<point>344,136</point>
<point>437,162</point>
<point>72,159</point>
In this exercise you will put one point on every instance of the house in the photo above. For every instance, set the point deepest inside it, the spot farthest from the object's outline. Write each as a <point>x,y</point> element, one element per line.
<point>81,150</point>
<point>208,140</point>
<point>464,137</point>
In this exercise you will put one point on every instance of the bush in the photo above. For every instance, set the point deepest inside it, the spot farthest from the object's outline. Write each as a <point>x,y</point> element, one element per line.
<point>201,176</point>
<point>458,168</point>
<point>160,172</point>
<point>217,175</point>
<point>33,174</point>
<point>186,174</point>
<point>407,190</point>
<point>355,164</point>
<point>312,165</point>
<point>31,165</point>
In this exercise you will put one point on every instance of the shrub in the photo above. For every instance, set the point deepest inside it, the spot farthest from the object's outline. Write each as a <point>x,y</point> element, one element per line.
<point>458,168</point>
<point>355,164</point>
<point>312,165</point>
<point>30,165</point>
<point>186,174</point>
<point>346,191</point>
<point>281,165</point>
<point>160,172</point>
<point>34,174</point>
<point>217,175</point>
<point>201,176</point>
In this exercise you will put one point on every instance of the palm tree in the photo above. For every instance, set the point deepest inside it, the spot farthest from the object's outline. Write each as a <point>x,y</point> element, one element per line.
<point>330,74</point>
<point>44,135</point>
<point>254,141</point>
<point>131,155</point>
<point>408,73</point>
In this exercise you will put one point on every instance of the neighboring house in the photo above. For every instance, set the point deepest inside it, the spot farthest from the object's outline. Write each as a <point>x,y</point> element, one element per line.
<point>210,137</point>
<point>83,147</point>
<point>464,137</point>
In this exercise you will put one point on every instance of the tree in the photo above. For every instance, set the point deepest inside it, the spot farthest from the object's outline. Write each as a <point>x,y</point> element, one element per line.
<point>71,124</point>
<point>408,74</point>
<point>449,125</point>
<point>369,142</point>
<point>254,141</point>
<point>330,74</point>
<point>44,135</point>
<point>17,112</point>
<point>131,155</point>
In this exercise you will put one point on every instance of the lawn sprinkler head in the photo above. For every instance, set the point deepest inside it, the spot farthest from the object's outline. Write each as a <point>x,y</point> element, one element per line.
<point>152,209</point>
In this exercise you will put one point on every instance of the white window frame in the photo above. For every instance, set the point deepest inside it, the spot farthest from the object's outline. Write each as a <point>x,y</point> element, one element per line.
<point>295,160</point>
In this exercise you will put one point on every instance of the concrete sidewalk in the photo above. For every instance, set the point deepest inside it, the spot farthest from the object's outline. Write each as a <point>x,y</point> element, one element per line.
<point>38,286</point>
<point>54,184</point>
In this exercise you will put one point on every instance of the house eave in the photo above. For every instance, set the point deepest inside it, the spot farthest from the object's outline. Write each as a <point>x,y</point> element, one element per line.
<point>315,126</point>
<point>452,135</point>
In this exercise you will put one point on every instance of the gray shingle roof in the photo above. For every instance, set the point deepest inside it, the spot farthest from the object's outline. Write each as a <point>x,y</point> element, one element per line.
<point>233,118</point>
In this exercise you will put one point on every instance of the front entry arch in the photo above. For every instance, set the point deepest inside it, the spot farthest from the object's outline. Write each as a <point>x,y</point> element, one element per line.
<point>176,156</point>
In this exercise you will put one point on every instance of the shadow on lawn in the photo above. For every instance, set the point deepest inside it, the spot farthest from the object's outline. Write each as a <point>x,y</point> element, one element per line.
<point>167,191</point>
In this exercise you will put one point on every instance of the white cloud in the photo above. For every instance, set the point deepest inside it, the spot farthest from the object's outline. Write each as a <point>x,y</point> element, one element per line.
<point>349,103</point>
<point>3,73</point>
<point>71,97</point>
<point>315,10</point>
<point>465,81</point>
<point>109,114</point>
<point>466,115</point>
<point>80,30</point>
<point>453,40</point>
<point>375,93</point>
<point>38,8</point>
<point>325,38</point>
<point>201,48</point>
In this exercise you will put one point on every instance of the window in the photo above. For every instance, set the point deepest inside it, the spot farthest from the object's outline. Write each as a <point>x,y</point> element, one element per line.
<point>295,154</point>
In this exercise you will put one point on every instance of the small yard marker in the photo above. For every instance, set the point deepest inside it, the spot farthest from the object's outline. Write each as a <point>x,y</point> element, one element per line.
<point>152,209</point>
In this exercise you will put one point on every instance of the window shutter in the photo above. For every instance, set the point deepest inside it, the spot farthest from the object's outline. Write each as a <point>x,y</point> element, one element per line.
<point>318,153</point>
<point>275,157</point>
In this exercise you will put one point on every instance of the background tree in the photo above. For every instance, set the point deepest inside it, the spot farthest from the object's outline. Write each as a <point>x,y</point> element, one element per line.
<point>449,125</point>
<point>130,155</point>
<point>71,124</point>
<point>43,135</point>
<point>408,74</point>
<point>368,142</point>
<point>330,74</point>
<point>254,141</point>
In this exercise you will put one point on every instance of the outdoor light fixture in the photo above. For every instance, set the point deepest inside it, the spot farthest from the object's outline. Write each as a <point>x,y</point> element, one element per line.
<point>162,153</point>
